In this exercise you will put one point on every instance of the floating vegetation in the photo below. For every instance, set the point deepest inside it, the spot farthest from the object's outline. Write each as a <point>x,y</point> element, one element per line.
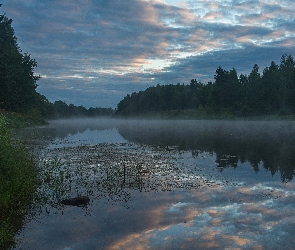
<point>111,171</point>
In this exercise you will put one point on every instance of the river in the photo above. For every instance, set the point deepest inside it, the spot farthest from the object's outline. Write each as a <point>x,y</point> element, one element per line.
<point>162,184</point>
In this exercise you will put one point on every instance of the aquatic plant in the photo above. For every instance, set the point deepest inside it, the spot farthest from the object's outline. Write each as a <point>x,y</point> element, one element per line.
<point>111,172</point>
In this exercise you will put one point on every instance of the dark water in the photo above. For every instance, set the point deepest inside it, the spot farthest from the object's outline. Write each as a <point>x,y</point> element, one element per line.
<point>163,185</point>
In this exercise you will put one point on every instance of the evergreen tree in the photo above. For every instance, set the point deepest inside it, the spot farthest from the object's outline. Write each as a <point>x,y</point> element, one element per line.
<point>226,92</point>
<point>287,84</point>
<point>269,89</point>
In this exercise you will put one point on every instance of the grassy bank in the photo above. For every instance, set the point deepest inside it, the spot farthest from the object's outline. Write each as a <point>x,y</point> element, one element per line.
<point>18,178</point>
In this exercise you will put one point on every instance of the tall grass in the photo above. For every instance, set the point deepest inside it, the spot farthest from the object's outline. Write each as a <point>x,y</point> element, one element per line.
<point>18,179</point>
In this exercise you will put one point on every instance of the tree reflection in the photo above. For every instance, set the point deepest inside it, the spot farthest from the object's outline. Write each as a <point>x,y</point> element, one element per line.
<point>271,144</point>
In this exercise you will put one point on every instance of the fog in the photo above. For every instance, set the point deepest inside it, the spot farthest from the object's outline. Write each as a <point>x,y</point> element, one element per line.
<point>186,134</point>
<point>270,144</point>
<point>237,129</point>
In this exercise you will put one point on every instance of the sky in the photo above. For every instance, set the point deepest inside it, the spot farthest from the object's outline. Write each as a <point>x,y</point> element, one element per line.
<point>95,52</point>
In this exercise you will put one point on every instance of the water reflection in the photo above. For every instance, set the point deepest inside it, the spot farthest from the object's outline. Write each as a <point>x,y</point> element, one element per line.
<point>165,191</point>
<point>271,144</point>
<point>268,145</point>
<point>111,171</point>
<point>72,132</point>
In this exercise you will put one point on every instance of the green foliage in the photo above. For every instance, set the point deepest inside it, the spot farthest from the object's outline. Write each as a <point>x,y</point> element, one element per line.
<point>18,175</point>
<point>18,82</point>
<point>18,120</point>
<point>272,93</point>
<point>6,233</point>
<point>34,117</point>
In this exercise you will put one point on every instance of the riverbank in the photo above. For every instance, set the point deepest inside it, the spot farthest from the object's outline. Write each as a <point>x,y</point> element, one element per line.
<point>18,120</point>
<point>18,176</point>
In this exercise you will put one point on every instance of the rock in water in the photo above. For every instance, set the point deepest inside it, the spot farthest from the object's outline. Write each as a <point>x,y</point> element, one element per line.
<point>78,201</point>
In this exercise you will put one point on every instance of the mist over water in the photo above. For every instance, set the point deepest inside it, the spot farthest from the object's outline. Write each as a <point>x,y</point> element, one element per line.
<point>270,143</point>
<point>163,183</point>
<point>266,144</point>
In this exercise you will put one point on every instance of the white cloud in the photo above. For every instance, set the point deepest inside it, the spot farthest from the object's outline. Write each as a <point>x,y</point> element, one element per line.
<point>127,41</point>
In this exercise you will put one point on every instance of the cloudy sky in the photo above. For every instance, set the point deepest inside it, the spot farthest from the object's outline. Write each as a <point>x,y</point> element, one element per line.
<point>95,52</point>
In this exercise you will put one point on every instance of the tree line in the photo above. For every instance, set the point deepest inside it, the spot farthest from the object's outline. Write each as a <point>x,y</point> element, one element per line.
<point>272,92</point>
<point>61,109</point>
<point>18,82</point>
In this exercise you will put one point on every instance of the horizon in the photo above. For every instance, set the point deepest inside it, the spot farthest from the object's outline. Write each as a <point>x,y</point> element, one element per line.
<point>94,53</point>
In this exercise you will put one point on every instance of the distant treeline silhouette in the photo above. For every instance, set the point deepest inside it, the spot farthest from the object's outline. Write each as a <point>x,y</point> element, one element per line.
<point>18,82</point>
<point>61,109</point>
<point>272,92</point>
<point>269,93</point>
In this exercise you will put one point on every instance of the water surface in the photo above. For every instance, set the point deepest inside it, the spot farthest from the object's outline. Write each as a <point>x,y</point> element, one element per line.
<point>164,185</point>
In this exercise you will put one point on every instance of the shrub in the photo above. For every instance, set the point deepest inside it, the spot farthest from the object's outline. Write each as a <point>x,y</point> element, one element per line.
<point>18,175</point>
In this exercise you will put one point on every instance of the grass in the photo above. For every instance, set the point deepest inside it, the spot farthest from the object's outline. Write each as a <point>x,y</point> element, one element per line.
<point>18,179</point>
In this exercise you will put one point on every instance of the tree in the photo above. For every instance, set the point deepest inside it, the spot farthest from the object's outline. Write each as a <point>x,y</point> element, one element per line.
<point>287,84</point>
<point>269,91</point>
<point>226,88</point>
<point>256,92</point>
<point>18,82</point>
<point>273,92</point>
<point>61,108</point>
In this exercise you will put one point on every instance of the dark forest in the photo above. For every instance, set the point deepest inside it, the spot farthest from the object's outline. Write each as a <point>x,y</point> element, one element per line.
<point>269,93</point>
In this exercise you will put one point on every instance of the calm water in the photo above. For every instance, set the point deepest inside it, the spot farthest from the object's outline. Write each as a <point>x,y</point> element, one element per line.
<point>163,185</point>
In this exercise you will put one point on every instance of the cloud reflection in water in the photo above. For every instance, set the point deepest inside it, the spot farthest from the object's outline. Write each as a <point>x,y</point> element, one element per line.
<point>194,192</point>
